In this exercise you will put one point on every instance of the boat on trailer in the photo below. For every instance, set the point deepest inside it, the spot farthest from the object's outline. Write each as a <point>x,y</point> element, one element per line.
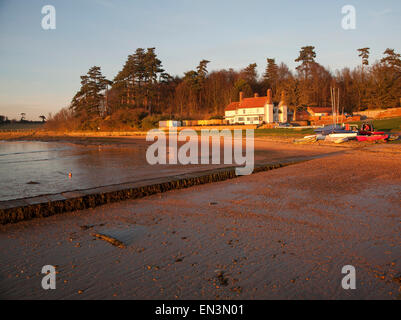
<point>371,133</point>
<point>345,134</point>
<point>372,138</point>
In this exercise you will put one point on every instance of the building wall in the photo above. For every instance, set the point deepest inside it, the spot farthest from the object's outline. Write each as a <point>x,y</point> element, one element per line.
<point>269,115</point>
<point>258,115</point>
<point>283,114</point>
<point>245,116</point>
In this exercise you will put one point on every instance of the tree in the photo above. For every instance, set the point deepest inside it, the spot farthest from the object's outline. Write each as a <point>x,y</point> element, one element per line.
<point>23,114</point>
<point>271,75</point>
<point>243,86</point>
<point>137,84</point>
<point>201,77</point>
<point>307,57</point>
<point>385,81</point>
<point>143,86</point>
<point>364,54</point>
<point>43,118</point>
<point>392,59</point>
<point>250,75</point>
<point>89,100</point>
<point>202,69</point>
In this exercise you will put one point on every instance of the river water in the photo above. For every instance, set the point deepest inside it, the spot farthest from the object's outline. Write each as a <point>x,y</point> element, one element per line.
<point>32,168</point>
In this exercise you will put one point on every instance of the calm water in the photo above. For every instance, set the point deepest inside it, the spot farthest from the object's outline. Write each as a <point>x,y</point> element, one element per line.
<point>34,168</point>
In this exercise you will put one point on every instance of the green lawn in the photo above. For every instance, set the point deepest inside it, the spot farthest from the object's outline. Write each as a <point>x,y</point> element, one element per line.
<point>393,124</point>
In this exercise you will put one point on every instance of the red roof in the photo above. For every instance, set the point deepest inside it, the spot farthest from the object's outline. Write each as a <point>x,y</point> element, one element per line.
<point>247,103</point>
<point>258,102</point>
<point>232,106</point>
<point>251,103</point>
<point>319,110</point>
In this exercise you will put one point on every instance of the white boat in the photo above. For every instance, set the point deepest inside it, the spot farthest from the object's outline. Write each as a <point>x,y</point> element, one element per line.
<point>307,139</point>
<point>348,135</point>
<point>341,140</point>
<point>318,137</point>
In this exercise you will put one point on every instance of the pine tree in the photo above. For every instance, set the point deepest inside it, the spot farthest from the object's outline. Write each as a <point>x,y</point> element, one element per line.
<point>201,77</point>
<point>307,57</point>
<point>90,98</point>
<point>271,75</point>
<point>364,54</point>
<point>392,59</point>
<point>152,72</point>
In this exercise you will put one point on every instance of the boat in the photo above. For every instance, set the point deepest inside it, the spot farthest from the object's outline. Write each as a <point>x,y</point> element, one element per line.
<point>328,129</point>
<point>317,136</point>
<point>307,139</point>
<point>345,134</point>
<point>341,140</point>
<point>371,133</point>
<point>372,138</point>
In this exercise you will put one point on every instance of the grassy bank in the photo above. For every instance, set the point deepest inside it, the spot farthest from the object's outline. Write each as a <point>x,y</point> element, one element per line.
<point>281,132</point>
<point>392,124</point>
<point>37,131</point>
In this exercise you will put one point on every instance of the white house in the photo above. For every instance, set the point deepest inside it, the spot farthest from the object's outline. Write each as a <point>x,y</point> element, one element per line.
<point>256,110</point>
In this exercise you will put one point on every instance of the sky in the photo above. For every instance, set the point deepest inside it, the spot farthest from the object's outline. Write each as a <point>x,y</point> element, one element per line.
<point>40,69</point>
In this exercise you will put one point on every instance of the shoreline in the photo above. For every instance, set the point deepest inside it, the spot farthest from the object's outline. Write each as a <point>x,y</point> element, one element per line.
<point>44,205</point>
<point>279,234</point>
<point>23,209</point>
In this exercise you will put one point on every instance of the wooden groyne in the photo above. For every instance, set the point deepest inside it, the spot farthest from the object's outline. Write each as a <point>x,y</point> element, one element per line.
<point>13,211</point>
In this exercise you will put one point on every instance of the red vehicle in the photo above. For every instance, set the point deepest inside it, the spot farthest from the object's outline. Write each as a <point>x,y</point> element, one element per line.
<point>368,130</point>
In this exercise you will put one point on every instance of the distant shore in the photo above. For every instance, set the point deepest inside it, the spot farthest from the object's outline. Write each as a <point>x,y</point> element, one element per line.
<point>101,136</point>
<point>39,132</point>
<point>280,136</point>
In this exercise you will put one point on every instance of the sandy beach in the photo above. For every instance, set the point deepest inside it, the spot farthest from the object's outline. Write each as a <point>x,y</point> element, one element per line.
<point>200,159</point>
<point>282,234</point>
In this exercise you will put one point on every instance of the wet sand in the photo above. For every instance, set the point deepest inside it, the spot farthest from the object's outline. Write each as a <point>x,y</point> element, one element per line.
<point>282,234</point>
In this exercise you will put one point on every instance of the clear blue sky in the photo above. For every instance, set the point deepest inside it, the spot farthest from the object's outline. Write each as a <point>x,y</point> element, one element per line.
<point>39,70</point>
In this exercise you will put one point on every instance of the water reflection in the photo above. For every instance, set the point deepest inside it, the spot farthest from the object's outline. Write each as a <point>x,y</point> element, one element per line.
<point>32,168</point>
<point>35,168</point>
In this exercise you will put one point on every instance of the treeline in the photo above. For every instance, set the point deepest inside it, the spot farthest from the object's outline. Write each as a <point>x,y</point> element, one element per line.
<point>4,119</point>
<point>143,92</point>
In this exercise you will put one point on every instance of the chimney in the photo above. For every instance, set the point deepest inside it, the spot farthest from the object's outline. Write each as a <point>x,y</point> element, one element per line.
<point>269,97</point>
<point>256,95</point>
<point>283,99</point>
<point>241,96</point>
